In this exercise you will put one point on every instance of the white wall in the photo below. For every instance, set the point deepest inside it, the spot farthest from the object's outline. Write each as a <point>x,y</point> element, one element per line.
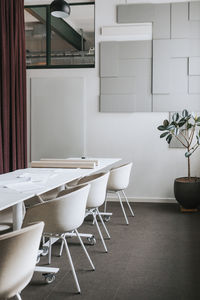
<point>133,136</point>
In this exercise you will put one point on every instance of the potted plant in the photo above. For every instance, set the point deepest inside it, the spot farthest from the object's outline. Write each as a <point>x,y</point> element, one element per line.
<point>184,128</point>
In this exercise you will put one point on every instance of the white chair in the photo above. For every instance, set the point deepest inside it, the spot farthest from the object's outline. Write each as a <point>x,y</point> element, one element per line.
<point>18,254</point>
<point>61,215</point>
<point>118,181</point>
<point>96,198</point>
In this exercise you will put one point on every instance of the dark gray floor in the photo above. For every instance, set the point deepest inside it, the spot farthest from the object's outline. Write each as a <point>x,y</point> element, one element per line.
<point>156,257</point>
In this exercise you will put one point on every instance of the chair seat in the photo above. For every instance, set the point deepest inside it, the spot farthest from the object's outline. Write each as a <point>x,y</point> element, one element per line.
<point>6,224</point>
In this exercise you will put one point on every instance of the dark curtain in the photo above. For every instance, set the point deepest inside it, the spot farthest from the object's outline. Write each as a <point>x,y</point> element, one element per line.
<point>13,119</point>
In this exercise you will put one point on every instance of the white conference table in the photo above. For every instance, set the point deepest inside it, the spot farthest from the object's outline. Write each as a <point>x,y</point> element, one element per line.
<point>21,185</point>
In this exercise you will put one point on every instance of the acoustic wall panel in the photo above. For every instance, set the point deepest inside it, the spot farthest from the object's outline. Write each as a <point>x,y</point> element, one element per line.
<point>144,31</point>
<point>117,103</point>
<point>57,117</point>
<point>109,59</point>
<point>170,70</point>
<point>178,76</point>
<point>135,49</point>
<point>161,67</point>
<point>135,67</point>
<point>194,85</point>
<point>137,12</point>
<point>182,25</point>
<point>120,85</point>
<point>161,24</point>
<point>133,79</point>
<point>194,66</point>
<point>176,102</point>
<point>179,20</point>
<point>159,14</point>
<point>175,71</point>
<point>194,11</point>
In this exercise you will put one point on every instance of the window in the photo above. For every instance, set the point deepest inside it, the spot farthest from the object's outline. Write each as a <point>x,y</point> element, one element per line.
<point>54,42</point>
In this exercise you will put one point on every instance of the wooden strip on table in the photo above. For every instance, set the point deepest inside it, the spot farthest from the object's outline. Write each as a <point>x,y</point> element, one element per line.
<point>72,160</point>
<point>62,164</point>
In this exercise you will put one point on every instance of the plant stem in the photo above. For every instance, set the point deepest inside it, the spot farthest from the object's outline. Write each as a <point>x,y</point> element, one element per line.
<point>191,136</point>
<point>184,137</point>
<point>188,164</point>
<point>179,139</point>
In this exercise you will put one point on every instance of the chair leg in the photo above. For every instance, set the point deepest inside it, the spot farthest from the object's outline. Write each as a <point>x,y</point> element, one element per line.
<point>71,265</point>
<point>50,248</point>
<point>120,200</point>
<point>102,222</point>
<point>123,192</point>
<point>61,248</point>
<point>99,230</point>
<point>85,250</point>
<point>105,203</point>
<point>18,297</point>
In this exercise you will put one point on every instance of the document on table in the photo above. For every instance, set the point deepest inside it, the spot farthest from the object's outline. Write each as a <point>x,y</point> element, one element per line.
<point>25,186</point>
<point>28,182</point>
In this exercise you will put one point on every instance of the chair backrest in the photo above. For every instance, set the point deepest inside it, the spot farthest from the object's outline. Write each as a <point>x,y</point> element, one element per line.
<point>18,255</point>
<point>62,214</point>
<point>52,194</point>
<point>97,192</point>
<point>119,177</point>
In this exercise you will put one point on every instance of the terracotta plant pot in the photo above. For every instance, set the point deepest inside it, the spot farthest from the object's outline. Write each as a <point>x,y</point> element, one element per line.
<point>187,191</point>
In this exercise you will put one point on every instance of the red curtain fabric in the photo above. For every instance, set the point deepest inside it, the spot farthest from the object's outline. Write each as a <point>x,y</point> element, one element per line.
<point>13,119</point>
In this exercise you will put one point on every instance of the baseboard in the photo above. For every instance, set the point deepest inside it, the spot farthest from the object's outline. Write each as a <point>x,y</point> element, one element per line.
<point>144,199</point>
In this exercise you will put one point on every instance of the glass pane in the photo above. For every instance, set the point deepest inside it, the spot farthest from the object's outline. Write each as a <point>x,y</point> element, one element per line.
<point>35,31</point>
<point>73,38</point>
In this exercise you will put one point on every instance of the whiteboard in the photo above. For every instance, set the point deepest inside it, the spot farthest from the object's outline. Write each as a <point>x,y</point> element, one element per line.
<point>57,117</point>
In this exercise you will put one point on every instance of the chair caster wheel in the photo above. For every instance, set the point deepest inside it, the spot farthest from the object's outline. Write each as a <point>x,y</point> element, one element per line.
<point>49,277</point>
<point>107,218</point>
<point>45,250</point>
<point>92,241</point>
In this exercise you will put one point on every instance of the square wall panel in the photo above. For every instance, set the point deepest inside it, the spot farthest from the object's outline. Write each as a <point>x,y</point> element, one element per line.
<point>120,85</point>
<point>194,11</point>
<point>194,84</point>
<point>194,65</point>
<point>158,14</point>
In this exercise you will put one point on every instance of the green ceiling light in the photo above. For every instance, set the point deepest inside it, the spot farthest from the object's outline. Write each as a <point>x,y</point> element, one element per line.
<point>60,9</point>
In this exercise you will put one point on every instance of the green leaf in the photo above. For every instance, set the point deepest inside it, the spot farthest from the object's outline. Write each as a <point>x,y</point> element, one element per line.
<point>185,113</point>
<point>170,127</point>
<point>175,117</point>
<point>161,128</point>
<point>165,123</point>
<point>168,138</point>
<point>163,134</point>
<point>197,120</point>
<point>176,131</point>
<point>189,125</point>
<point>182,122</point>
<point>187,154</point>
